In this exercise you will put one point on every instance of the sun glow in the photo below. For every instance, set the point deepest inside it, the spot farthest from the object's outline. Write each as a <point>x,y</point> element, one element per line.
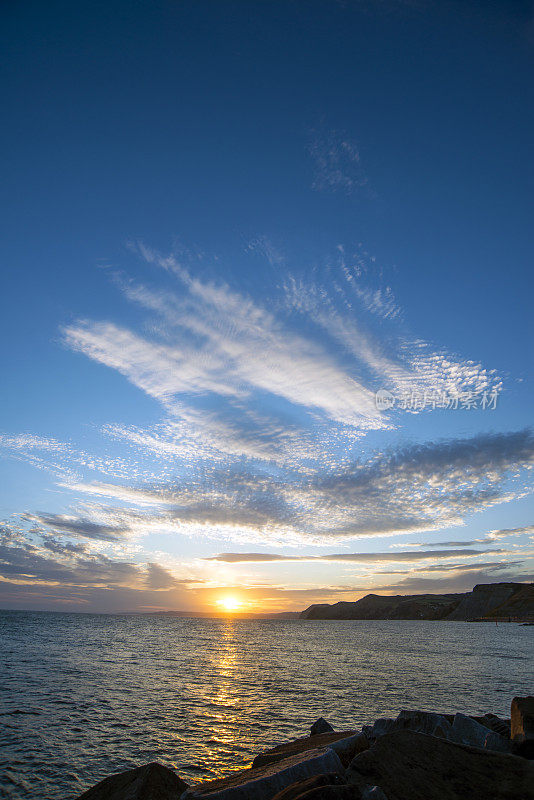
<point>229,603</point>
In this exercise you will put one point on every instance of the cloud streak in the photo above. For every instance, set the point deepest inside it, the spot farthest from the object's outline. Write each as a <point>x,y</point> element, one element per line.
<point>277,380</point>
<point>415,488</point>
<point>363,558</point>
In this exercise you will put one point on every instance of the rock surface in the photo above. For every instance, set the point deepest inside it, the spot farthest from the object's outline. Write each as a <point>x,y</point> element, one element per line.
<point>149,782</point>
<point>263,783</point>
<point>282,751</point>
<point>320,726</point>
<point>420,721</point>
<point>460,729</point>
<point>413,766</point>
<point>347,748</point>
<point>496,724</point>
<point>490,599</point>
<point>466,730</point>
<point>522,730</point>
<point>296,789</point>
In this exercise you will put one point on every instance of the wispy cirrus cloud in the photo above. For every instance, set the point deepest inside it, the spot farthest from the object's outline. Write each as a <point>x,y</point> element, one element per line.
<point>504,533</point>
<point>237,356</point>
<point>65,460</point>
<point>272,381</point>
<point>416,488</point>
<point>489,538</point>
<point>84,528</point>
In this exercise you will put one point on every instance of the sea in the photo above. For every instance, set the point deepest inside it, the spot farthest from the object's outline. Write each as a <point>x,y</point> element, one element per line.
<point>83,695</point>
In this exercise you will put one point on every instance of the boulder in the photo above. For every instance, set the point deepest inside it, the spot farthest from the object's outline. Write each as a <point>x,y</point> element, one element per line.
<point>522,727</point>
<point>381,726</point>
<point>466,730</point>
<point>296,789</point>
<point>424,722</point>
<point>407,765</point>
<point>421,721</point>
<point>494,741</point>
<point>263,783</point>
<point>496,724</point>
<point>320,726</point>
<point>299,746</point>
<point>349,747</point>
<point>149,782</point>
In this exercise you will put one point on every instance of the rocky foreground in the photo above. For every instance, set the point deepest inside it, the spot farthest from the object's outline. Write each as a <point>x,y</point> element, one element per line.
<point>417,756</point>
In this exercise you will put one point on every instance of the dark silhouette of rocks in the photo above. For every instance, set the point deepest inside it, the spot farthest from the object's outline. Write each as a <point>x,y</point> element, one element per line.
<point>493,601</point>
<point>149,782</point>
<point>345,743</point>
<point>320,726</point>
<point>316,782</point>
<point>415,766</point>
<point>522,728</point>
<point>263,783</point>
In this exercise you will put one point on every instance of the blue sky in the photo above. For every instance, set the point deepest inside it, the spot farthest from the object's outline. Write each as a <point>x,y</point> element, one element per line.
<point>226,226</point>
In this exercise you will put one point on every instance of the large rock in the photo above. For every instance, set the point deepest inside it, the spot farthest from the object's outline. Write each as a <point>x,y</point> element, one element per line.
<point>495,741</point>
<point>421,721</point>
<point>460,728</point>
<point>150,782</point>
<point>296,789</point>
<point>380,726</point>
<point>496,724</point>
<point>522,730</point>
<point>299,746</point>
<point>413,766</point>
<point>263,783</point>
<point>347,748</point>
<point>466,730</point>
<point>320,726</point>
<point>425,722</point>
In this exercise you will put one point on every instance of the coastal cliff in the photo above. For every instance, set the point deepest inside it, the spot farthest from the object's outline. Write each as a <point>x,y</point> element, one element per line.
<point>494,601</point>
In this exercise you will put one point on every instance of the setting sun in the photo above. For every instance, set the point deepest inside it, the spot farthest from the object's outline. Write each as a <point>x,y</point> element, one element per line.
<point>229,603</point>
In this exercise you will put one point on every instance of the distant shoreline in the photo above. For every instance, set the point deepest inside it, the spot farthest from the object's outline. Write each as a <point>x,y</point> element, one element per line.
<point>254,618</point>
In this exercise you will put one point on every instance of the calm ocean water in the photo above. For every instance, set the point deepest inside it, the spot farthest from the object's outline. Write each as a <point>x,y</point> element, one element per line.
<point>82,696</point>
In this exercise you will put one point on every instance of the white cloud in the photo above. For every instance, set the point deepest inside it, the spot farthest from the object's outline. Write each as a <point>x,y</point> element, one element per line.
<point>419,488</point>
<point>363,558</point>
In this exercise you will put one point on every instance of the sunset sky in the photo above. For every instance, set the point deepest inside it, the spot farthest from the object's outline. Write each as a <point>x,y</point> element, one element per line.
<point>226,227</point>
